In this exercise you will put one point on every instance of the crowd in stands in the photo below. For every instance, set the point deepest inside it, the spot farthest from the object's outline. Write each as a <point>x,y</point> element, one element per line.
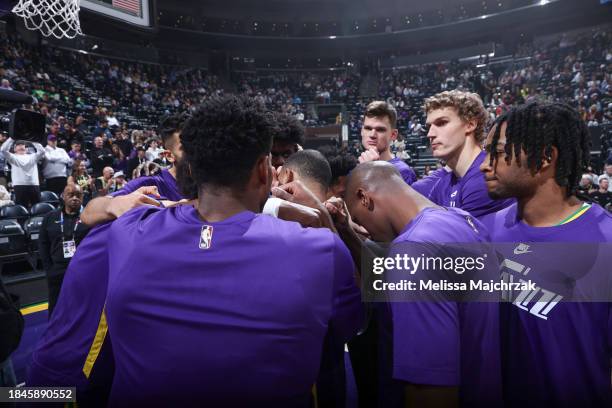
<point>103,112</point>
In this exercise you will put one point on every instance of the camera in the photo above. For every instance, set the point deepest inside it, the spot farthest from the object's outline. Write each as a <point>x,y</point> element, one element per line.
<point>20,124</point>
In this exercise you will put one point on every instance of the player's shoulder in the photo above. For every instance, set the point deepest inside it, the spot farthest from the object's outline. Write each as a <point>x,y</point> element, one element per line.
<point>291,233</point>
<point>502,218</point>
<point>447,224</point>
<point>138,217</point>
<point>602,220</point>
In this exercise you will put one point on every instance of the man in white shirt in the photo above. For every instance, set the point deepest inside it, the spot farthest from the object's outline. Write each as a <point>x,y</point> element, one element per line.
<point>607,175</point>
<point>56,166</point>
<point>24,170</point>
<point>153,151</point>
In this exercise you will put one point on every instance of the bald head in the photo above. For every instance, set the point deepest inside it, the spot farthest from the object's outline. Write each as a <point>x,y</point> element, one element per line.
<point>378,199</point>
<point>373,176</point>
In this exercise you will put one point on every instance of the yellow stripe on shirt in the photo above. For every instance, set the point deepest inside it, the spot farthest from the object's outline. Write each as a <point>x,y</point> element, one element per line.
<point>96,345</point>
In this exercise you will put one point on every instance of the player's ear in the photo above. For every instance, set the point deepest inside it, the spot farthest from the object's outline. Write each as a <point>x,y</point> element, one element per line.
<point>394,134</point>
<point>550,160</point>
<point>262,169</point>
<point>365,199</point>
<point>470,126</point>
<point>285,176</point>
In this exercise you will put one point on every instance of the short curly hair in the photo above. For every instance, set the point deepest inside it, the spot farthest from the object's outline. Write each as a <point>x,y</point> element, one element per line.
<point>288,128</point>
<point>468,105</point>
<point>224,138</point>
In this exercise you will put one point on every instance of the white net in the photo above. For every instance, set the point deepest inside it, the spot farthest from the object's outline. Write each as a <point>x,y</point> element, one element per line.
<point>57,18</point>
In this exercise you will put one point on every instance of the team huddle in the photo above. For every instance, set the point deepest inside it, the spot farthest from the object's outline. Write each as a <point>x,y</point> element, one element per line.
<point>235,278</point>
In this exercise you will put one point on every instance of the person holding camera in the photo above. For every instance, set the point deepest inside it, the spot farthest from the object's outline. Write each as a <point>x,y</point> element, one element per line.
<point>24,170</point>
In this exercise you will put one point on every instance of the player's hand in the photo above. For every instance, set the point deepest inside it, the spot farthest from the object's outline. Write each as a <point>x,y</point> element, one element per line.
<point>184,201</point>
<point>342,218</point>
<point>306,216</point>
<point>122,204</point>
<point>296,192</point>
<point>369,155</point>
<point>275,174</point>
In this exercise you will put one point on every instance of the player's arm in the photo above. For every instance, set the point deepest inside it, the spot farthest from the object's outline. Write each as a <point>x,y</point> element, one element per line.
<point>296,192</point>
<point>104,209</point>
<point>347,312</point>
<point>285,210</point>
<point>426,334</point>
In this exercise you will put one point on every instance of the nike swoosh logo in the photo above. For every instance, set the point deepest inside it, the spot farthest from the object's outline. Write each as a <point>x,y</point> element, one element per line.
<point>521,251</point>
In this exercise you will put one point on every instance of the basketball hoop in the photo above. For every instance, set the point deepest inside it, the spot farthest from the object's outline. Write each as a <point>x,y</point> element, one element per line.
<point>57,18</point>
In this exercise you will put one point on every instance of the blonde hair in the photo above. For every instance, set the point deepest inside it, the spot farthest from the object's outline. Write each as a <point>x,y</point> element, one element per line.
<point>468,105</point>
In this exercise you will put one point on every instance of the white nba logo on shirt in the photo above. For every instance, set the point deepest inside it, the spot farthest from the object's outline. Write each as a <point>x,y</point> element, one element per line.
<point>206,237</point>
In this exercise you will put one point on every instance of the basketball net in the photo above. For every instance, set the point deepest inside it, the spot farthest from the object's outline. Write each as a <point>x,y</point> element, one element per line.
<point>57,18</point>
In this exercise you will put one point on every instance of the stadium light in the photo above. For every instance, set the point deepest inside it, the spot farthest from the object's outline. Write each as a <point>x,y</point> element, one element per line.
<point>544,2</point>
<point>332,37</point>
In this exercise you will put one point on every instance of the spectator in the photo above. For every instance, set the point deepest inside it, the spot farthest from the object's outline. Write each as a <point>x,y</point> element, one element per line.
<point>5,197</point>
<point>608,175</point>
<point>136,162</point>
<point>153,151</point>
<point>106,183</point>
<point>120,181</point>
<point>124,143</point>
<point>76,154</point>
<point>56,166</point>
<point>80,177</point>
<point>586,185</point>
<point>100,156</point>
<point>602,196</point>
<point>60,234</point>
<point>102,129</point>
<point>24,170</point>
<point>165,159</point>
<point>3,175</point>
<point>119,160</point>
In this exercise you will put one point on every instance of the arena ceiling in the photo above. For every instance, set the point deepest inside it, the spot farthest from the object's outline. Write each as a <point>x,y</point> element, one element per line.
<point>308,10</point>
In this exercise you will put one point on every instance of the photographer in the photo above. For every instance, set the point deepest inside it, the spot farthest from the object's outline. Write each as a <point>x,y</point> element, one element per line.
<point>24,172</point>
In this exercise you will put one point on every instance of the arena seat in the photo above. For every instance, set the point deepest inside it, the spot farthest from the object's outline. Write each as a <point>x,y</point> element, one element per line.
<point>12,242</point>
<point>33,224</point>
<point>14,212</point>
<point>41,209</point>
<point>49,197</point>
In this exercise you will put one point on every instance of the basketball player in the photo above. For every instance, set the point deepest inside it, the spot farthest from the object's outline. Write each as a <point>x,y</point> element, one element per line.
<point>341,164</point>
<point>443,352</point>
<point>288,137</point>
<point>249,322</point>
<point>379,129</point>
<point>556,350</point>
<point>312,169</point>
<point>107,208</point>
<point>457,121</point>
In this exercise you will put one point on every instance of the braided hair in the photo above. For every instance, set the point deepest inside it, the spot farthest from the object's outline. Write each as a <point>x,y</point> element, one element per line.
<point>538,126</point>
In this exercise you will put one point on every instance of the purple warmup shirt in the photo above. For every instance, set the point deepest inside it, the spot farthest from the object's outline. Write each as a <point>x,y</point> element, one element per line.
<point>406,171</point>
<point>468,192</point>
<point>61,353</point>
<point>165,183</point>
<point>442,342</point>
<point>229,313</point>
<point>556,354</point>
